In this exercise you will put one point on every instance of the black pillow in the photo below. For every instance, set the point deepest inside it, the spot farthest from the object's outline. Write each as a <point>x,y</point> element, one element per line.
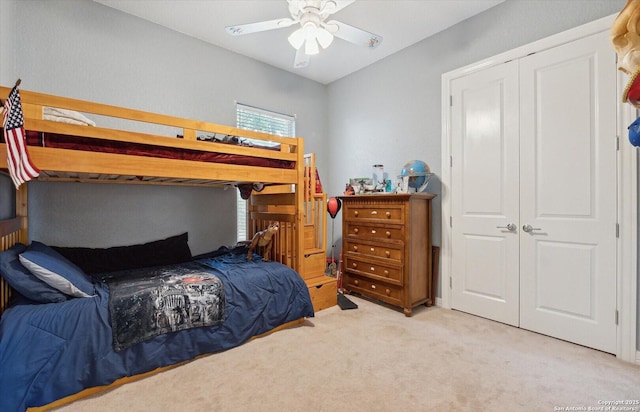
<point>171,250</point>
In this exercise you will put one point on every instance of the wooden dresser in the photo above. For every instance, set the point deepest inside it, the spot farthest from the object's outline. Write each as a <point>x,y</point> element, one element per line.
<point>386,248</point>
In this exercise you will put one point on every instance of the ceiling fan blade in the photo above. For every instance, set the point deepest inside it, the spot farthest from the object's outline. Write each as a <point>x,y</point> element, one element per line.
<point>301,60</point>
<point>352,34</point>
<point>260,26</point>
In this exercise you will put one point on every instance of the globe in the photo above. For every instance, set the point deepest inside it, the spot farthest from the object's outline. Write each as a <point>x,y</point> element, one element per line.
<point>418,173</point>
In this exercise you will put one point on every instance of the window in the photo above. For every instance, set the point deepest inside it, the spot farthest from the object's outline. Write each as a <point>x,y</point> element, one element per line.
<point>259,120</point>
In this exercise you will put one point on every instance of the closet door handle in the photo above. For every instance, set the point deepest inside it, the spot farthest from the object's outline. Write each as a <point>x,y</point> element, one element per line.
<point>529,228</point>
<point>510,227</point>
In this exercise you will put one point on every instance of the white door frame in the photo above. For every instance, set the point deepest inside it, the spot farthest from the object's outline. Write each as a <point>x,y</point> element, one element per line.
<point>627,180</point>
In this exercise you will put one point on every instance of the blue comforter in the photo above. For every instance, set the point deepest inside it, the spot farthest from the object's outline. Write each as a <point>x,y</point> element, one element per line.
<point>49,351</point>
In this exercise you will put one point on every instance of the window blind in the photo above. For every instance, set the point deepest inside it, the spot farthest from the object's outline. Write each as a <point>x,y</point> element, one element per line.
<point>258,120</point>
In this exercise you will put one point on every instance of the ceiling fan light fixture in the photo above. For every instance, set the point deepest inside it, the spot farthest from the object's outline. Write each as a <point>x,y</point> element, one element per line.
<point>296,38</point>
<point>324,38</point>
<point>310,30</point>
<point>311,47</point>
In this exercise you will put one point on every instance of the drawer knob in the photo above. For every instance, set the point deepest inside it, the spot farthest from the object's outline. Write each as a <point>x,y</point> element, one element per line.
<point>386,273</point>
<point>388,292</point>
<point>356,282</point>
<point>356,213</point>
<point>355,248</point>
<point>373,249</point>
<point>354,264</point>
<point>388,215</point>
<point>373,286</point>
<point>374,212</point>
<point>388,234</point>
<point>355,230</point>
<point>373,231</point>
<point>387,253</point>
<point>373,269</point>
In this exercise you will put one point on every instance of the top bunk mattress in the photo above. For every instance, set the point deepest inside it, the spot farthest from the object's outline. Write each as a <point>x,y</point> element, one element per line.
<point>62,141</point>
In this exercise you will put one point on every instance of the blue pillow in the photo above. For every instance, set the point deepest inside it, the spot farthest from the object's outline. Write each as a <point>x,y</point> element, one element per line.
<point>22,281</point>
<point>56,271</point>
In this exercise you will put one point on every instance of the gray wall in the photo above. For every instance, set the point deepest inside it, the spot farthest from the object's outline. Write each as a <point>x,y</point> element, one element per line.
<point>7,72</point>
<point>126,214</point>
<point>85,50</point>
<point>7,42</point>
<point>390,112</point>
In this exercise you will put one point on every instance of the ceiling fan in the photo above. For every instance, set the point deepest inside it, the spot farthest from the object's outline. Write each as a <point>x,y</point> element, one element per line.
<point>313,30</point>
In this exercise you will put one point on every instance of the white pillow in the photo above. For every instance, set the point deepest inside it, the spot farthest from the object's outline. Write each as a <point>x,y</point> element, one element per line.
<point>66,116</point>
<point>56,271</point>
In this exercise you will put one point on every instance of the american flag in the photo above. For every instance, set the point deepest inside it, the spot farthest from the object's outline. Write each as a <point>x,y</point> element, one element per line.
<point>21,168</point>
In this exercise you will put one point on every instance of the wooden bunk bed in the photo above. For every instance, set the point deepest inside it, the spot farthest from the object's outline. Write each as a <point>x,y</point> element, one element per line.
<point>58,164</point>
<point>285,175</point>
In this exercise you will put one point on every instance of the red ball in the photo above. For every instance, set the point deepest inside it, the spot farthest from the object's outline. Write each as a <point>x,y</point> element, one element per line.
<point>333,206</point>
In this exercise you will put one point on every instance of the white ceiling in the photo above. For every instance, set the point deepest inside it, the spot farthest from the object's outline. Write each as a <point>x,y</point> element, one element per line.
<point>401,23</point>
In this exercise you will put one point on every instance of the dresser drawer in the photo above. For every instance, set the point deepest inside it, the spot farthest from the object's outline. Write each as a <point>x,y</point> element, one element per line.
<point>378,212</point>
<point>388,293</point>
<point>386,251</point>
<point>363,230</point>
<point>372,269</point>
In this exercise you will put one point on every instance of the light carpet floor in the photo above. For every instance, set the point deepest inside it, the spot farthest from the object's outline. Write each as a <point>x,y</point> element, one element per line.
<point>375,359</point>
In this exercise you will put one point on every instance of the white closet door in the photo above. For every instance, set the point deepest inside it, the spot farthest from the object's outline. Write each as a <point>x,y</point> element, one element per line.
<point>568,192</point>
<point>534,144</point>
<point>485,193</point>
